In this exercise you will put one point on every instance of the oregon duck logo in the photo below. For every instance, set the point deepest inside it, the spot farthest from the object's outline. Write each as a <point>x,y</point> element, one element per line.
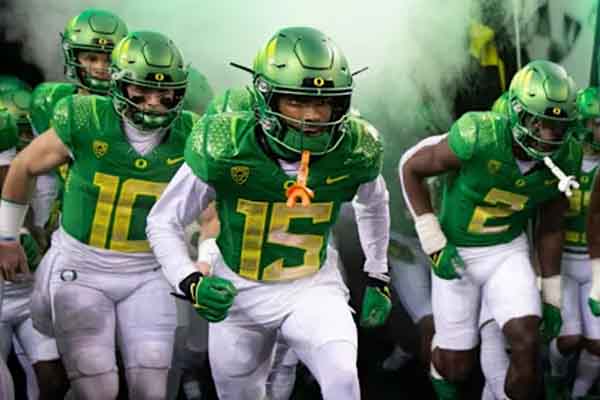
<point>100,148</point>
<point>239,174</point>
<point>494,166</point>
<point>141,163</point>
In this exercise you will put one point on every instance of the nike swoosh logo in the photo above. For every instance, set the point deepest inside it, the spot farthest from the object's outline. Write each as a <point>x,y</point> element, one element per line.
<point>331,180</point>
<point>171,161</point>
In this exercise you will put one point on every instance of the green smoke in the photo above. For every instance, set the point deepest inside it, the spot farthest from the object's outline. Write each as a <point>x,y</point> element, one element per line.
<point>416,50</point>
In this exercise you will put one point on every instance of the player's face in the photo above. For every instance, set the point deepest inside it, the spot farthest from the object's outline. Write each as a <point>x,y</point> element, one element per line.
<point>95,64</point>
<point>548,131</point>
<point>307,109</point>
<point>149,99</point>
<point>594,125</point>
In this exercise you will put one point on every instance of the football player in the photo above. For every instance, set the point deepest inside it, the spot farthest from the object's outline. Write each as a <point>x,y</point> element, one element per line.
<point>478,245</point>
<point>40,352</point>
<point>581,328</point>
<point>279,174</point>
<point>9,138</point>
<point>107,287</point>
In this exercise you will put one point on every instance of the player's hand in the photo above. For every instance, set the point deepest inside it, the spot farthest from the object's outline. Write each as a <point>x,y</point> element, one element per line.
<point>551,322</point>
<point>447,263</point>
<point>376,304</point>
<point>594,302</point>
<point>211,296</point>
<point>12,260</point>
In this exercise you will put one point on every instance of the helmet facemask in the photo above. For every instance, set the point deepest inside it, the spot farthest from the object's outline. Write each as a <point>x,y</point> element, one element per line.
<point>296,135</point>
<point>132,110</point>
<point>527,129</point>
<point>148,61</point>
<point>93,31</point>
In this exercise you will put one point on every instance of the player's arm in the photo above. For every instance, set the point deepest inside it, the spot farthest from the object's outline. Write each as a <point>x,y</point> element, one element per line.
<point>184,198</point>
<point>371,206</point>
<point>43,154</point>
<point>593,241</point>
<point>430,157</point>
<point>182,201</point>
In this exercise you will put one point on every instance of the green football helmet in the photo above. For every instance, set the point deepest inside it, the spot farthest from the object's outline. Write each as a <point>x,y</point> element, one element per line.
<point>93,30</point>
<point>9,83</point>
<point>501,104</point>
<point>150,60</point>
<point>542,91</point>
<point>198,94</point>
<point>18,104</point>
<point>301,61</point>
<point>588,106</point>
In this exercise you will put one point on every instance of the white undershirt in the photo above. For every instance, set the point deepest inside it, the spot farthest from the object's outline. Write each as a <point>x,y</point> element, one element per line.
<point>590,162</point>
<point>143,143</point>
<point>187,196</point>
<point>525,166</point>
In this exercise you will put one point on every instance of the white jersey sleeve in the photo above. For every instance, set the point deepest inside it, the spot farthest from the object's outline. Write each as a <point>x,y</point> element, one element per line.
<point>183,200</point>
<point>7,156</point>
<point>371,206</point>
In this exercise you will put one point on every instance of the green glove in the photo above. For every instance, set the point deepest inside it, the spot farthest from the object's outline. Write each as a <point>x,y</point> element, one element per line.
<point>447,263</point>
<point>376,304</point>
<point>551,322</point>
<point>594,306</point>
<point>210,296</point>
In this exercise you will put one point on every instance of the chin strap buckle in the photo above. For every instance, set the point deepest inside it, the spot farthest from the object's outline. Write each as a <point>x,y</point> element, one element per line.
<point>299,192</point>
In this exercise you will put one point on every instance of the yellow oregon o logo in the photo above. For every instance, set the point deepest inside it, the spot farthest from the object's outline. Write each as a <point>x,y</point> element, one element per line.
<point>140,163</point>
<point>318,81</point>
<point>159,77</point>
<point>102,41</point>
<point>287,184</point>
<point>520,183</point>
<point>556,111</point>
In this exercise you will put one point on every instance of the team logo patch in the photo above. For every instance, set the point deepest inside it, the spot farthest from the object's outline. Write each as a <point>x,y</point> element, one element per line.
<point>141,163</point>
<point>331,180</point>
<point>100,148</point>
<point>520,183</point>
<point>556,111</point>
<point>494,166</point>
<point>239,174</point>
<point>318,81</point>
<point>288,184</point>
<point>159,77</point>
<point>68,275</point>
<point>585,179</point>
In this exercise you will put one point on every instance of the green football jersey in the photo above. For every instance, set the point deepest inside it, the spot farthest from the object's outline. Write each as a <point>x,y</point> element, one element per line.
<point>490,201</point>
<point>43,100</point>
<point>241,99</point>
<point>111,188</point>
<point>575,221</point>
<point>32,250</point>
<point>9,133</point>
<point>261,238</point>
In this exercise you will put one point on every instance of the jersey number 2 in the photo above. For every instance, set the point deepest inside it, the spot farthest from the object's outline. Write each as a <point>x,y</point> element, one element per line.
<point>503,204</point>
